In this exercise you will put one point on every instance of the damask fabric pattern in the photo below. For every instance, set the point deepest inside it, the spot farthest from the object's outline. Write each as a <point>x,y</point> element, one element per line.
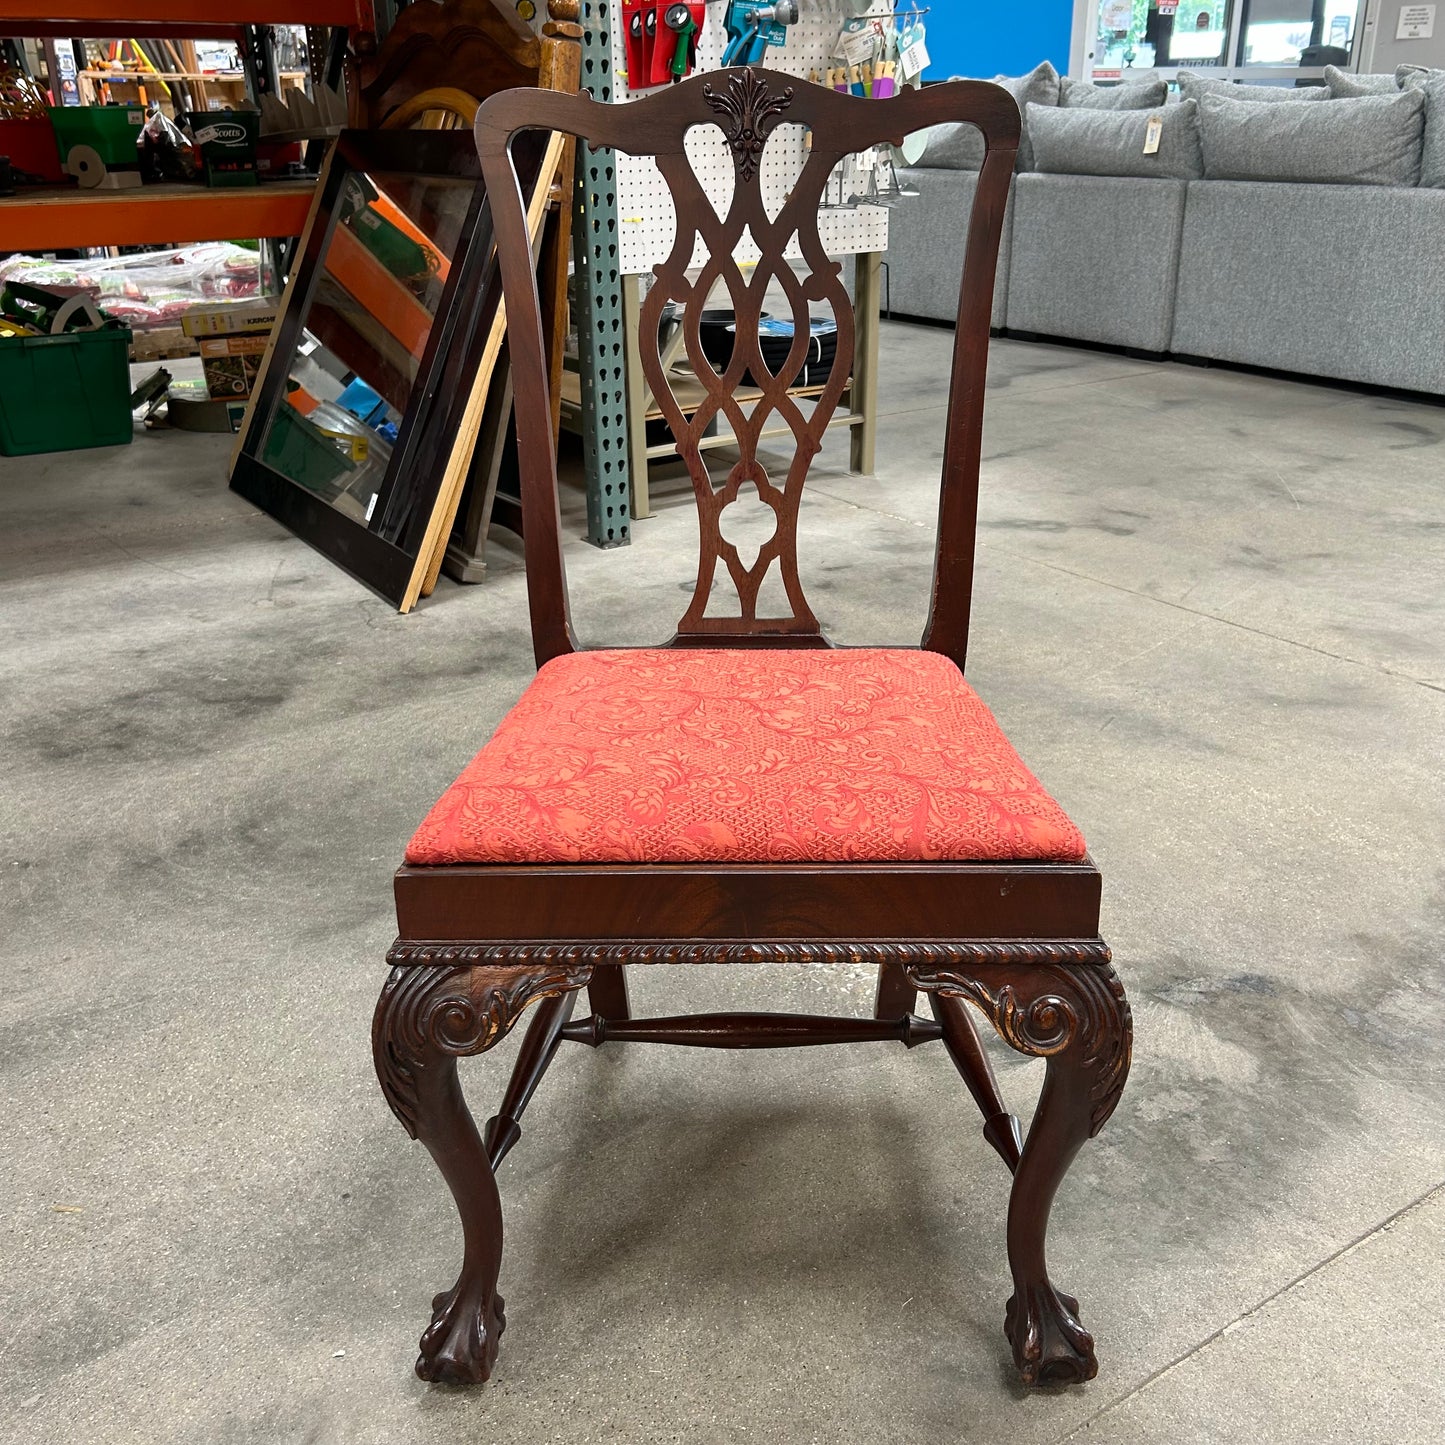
<point>746,756</point>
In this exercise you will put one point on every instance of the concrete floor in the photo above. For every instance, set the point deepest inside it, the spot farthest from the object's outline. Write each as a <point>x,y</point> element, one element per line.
<point>1209,612</point>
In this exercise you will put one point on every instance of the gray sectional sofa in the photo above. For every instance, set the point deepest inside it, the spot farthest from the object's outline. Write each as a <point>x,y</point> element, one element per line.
<point>1325,275</point>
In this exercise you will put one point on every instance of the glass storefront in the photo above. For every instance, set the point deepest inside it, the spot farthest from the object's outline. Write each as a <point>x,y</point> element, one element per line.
<point>1228,37</point>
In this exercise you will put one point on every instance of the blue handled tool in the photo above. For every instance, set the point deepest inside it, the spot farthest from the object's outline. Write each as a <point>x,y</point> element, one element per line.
<point>753,25</point>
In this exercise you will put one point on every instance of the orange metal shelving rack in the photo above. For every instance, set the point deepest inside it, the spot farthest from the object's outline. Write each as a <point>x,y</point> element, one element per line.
<point>44,220</point>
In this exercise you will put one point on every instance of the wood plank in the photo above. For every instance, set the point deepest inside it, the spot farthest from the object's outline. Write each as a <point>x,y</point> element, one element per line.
<point>449,497</point>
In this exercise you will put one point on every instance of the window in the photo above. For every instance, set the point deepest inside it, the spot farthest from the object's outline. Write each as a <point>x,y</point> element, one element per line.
<point>1142,34</point>
<point>1298,32</point>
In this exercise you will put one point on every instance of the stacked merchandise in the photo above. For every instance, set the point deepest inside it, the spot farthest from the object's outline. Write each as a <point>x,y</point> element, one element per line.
<point>151,293</point>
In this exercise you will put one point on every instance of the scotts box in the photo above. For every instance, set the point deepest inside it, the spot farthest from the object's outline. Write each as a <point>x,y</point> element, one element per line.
<point>227,139</point>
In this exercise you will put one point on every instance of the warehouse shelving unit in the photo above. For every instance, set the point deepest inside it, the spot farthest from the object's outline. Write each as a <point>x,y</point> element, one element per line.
<point>50,218</point>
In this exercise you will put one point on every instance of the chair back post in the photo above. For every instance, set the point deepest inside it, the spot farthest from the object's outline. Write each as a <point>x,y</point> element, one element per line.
<point>498,121</point>
<point>951,599</point>
<point>747,104</point>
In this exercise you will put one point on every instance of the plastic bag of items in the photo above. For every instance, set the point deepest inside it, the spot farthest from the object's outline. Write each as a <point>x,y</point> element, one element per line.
<point>153,289</point>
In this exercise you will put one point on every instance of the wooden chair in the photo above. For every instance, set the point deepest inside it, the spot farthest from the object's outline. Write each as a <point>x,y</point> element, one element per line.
<point>747,794</point>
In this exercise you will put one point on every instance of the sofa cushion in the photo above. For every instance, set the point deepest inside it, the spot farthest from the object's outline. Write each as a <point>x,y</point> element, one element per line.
<point>926,244</point>
<point>1339,281</point>
<point>958,146</point>
<point>1139,95</point>
<point>1346,85</point>
<point>1373,140</point>
<point>1081,141</point>
<point>1196,87</point>
<point>1431,83</point>
<point>1095,258</point>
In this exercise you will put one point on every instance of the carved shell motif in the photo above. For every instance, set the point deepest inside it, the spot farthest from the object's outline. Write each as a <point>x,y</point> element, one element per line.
<point>749,114</point>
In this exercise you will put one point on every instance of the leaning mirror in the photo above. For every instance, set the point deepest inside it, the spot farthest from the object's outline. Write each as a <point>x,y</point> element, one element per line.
<point>356,415</point>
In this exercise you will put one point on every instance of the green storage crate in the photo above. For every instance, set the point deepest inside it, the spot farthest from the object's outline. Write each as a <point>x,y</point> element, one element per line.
<point>63,392</point>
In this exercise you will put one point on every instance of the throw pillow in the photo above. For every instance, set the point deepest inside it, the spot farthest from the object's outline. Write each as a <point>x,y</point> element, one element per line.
<point>1135,95</point>
<point>957,146</point>
<point>1373,140</point>
<point>1345,84</point>
<point>1087,141</point>
<point>1196,87</point>
<point>1431,84</point>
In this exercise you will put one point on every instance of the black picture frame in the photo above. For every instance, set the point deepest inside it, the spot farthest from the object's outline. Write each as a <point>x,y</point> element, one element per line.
<point>383,552</point>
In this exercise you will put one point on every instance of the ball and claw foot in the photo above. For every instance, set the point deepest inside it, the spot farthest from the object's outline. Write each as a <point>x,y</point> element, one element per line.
<point>459,1346</point>
<point>1050,1346</point>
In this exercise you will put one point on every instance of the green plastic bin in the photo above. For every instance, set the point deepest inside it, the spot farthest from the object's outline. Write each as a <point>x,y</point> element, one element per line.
<point>111,131</point>
<point>59,393</point>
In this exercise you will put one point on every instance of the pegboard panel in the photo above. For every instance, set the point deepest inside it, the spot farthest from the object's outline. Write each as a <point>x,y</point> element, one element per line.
<point>646,225</point>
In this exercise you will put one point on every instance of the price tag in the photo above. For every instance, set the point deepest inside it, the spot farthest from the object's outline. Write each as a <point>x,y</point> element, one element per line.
<point>857,46</point>
<point>913,54</point>
<point>1153,133</point>
<point>866,160</point>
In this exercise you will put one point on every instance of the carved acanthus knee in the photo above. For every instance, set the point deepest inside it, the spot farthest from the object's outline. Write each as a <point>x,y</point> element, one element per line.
<point>430,1013</point>
<point>1046,999</point>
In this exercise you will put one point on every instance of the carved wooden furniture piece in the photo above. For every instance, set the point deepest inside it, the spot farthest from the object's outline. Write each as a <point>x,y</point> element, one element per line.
<point>748,795</point>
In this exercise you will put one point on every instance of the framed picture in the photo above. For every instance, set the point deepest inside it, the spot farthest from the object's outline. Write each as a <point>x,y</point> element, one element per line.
<point>363,410</point>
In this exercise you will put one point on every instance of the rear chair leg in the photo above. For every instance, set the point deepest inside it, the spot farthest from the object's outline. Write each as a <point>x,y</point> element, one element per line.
<point>1075,1015</point>
<point>965,1048</point>
<point>427,1018</point>
<point>607,993</point>
<point>896,996</point>
<point>539,1048</point>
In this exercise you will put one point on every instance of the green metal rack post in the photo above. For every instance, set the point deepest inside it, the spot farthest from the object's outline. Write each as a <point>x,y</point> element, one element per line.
<point>601,354</point>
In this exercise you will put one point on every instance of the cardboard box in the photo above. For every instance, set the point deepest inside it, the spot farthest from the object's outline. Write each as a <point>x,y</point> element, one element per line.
<point>230,364</point>
<point>232,340</point>
<point>232,317</point>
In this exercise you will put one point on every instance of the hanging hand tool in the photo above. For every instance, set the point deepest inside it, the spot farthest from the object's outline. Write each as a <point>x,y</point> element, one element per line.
<point>633,47</point>
<point>753,25</point>
<point>683,20</point>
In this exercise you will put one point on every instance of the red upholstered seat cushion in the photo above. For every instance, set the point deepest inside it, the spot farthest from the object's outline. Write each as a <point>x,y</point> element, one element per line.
<point>746,756</point>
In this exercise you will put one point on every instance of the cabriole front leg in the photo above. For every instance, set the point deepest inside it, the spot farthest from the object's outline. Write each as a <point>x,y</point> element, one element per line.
<point>1075,1016</point>
<point>427,1018</point>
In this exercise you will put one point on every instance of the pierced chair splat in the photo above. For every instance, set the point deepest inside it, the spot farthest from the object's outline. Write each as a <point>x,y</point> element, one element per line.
<point>748,794</point>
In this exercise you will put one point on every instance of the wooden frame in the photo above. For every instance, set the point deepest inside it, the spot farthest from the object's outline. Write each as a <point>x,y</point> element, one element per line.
<point>436,66</point>
<point>392,551</point>
<point>1017,940</point>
